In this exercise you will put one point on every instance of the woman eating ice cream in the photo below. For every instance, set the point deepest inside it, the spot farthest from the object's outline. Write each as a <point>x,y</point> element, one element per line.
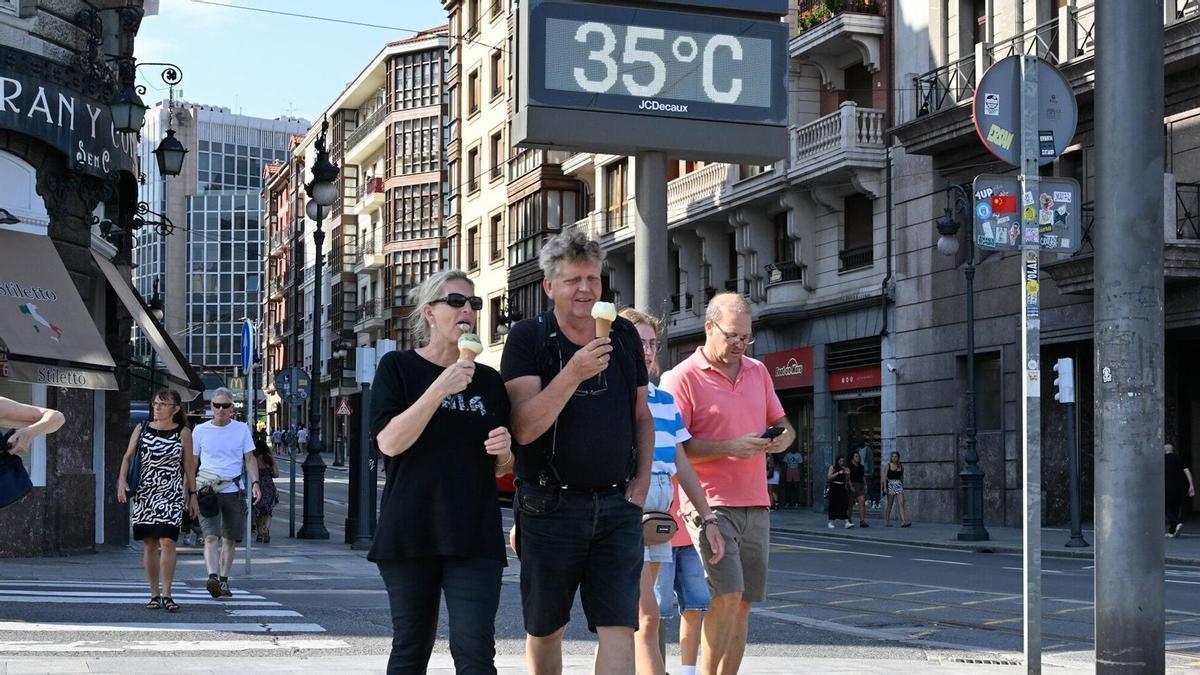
<point>443,420</point>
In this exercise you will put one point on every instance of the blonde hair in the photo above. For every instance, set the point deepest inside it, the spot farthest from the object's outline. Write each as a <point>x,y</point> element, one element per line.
<point>640,318</point>
<point>426,292</point>
<point>727,300</point>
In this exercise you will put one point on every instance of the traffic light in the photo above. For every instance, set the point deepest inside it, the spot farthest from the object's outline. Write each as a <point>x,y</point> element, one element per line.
<point>1065,382</point>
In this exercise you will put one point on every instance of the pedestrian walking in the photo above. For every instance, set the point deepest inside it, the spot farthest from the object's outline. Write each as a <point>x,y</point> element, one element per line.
<point>773,479</point>
<point>277,441</point>
<point>895,490</point>
<point>586,445</point>
<point>1178,485</point>
<point>302,438</point>
<point>858,489</point>
<point>670,468</point>
<point>264,508</point>
<point>442,420</point>
<point>224,448</point>
<point>728,403</point>
<point>793,460</point>
<point>681,584</point>
<point>837,479</point>
<point>165,469</point>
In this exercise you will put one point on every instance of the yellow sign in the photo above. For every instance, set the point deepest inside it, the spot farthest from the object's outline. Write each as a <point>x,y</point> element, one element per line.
<point>1032,287</point>
<point>999,136</point>
<point>1030,213</point>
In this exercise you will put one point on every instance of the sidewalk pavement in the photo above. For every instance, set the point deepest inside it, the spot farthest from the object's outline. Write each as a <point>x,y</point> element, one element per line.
<point>1181,550</point>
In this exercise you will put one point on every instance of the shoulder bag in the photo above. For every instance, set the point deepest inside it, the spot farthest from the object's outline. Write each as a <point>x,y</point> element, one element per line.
<point>133,475</point>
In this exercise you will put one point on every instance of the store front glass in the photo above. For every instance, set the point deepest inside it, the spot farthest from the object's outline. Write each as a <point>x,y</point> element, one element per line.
<point>791,373</point>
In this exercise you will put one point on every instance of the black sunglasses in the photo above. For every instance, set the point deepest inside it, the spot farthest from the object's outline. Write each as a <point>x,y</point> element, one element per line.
<point>222,406</point>
<point>457,300</point>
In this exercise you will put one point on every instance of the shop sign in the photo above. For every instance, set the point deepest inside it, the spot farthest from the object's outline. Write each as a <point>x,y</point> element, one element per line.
<point>77,124</point>
<point>855,378</point>
<point>790,369</point>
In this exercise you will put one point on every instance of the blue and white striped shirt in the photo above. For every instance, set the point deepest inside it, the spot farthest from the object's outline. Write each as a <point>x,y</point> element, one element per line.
<point>668,429</point>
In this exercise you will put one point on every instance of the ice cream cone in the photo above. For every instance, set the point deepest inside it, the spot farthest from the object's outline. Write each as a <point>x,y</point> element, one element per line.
<point>469,347</point>
<point>603,328</point>
<point>605,313</point>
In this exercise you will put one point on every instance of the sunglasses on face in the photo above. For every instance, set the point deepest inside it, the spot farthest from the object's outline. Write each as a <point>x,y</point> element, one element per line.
<point>222,406</point>
<point>457,300</point>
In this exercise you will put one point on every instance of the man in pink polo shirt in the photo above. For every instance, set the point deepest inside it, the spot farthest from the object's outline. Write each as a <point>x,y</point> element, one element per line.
<point>727,402</point>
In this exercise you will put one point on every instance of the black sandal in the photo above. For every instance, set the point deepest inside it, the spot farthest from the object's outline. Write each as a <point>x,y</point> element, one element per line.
<point>155,603</point>
<point>169,604</point>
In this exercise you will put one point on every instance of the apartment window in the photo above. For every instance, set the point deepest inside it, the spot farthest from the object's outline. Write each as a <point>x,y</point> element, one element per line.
<point>496,148</point>
<point>496,236</point>
<point>857,233</point>
<point>417,80</point>
<point>411,268</point>
<point>497,73</point>
<point>472,17</point>
<point>494,306</point>
<point>473,92</point>
<point>417,146</point>
<point>415,212</point>
<point>473,170</point>
<point>497,9</point>
<point>452,103</point>
<point>532,218</point>
<point>473,248</point>
<point>783,243</point>
<point>616,195</point>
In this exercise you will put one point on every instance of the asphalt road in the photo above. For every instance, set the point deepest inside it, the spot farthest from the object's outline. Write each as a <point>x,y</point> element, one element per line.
<point>828,596</point>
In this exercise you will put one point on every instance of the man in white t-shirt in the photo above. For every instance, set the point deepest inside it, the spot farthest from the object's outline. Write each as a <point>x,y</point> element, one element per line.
<point>221,445</point>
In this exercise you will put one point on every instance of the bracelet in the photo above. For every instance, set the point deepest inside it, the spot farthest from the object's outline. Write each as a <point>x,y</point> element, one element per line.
<point>709,519</point>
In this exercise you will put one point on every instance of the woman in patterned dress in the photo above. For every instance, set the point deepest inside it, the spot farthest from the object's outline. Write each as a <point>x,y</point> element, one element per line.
<point>165,444</point>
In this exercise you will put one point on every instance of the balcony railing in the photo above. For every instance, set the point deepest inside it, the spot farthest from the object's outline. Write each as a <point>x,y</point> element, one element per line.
<point>1187,214</point>
<point>366,126</point>
<point>784,271</point>
<point>371,309</point>
<point>706,183</point>
<point>369,187</point>
<point>813,13</point>
<point>854,258</point>
<point>850,128</point>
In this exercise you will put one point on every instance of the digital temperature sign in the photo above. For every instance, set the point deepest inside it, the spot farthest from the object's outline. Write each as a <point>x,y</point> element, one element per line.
<point>619,78</point>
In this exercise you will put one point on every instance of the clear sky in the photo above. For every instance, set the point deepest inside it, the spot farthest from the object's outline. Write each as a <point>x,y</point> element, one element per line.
<point>267,65</point>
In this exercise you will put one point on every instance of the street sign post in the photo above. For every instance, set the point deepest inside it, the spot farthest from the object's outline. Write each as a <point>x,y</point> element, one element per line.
<point>248,370</point>
<point>292,386</point>
<point>1025,114</point>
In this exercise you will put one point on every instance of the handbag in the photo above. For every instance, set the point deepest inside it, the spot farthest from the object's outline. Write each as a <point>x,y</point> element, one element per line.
<point>14,479</point>
<point>658,527</point>
<point>133,475</point>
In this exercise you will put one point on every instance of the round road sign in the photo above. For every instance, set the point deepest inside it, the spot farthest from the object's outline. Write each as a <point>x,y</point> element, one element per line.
<point>997,111</point>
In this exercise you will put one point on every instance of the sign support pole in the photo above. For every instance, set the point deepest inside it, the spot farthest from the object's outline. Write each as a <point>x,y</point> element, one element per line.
<point>292,436</point>
<point>1129,342</point>
<point>1031,382</point>
<point>652,287</point>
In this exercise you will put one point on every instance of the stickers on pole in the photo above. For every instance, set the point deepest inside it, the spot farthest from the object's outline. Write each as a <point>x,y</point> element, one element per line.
<point>1050,219</point>
<point>1032,287</point>
<point>997,111</point>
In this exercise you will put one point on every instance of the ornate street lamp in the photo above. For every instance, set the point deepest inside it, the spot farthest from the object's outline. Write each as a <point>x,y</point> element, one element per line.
<point>322,192</point>
<point>509,314</point>
<point>128,111</point>
<point>169,155</point>
<point>971,476</point>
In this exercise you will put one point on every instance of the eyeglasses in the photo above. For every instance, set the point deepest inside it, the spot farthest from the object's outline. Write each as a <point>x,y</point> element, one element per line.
<point>747,339</point>
<point>222,406</point>
<point>650,345</point>
<point>457,300</point>
<point>164,404</point>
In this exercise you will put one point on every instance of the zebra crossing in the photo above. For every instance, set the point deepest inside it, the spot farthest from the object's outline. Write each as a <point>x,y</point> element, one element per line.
<point>84,616</point>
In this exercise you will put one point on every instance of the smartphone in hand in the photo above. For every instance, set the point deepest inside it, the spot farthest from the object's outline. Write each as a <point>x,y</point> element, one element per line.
<point>772,432</point>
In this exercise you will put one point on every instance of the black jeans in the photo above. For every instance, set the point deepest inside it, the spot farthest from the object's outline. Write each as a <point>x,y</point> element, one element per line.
<point>1174,510</point>
<point>472,588</point>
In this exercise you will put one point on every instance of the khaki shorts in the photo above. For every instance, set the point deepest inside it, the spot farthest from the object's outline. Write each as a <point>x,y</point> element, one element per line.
<point>230,521</point>
<point>747,534</point>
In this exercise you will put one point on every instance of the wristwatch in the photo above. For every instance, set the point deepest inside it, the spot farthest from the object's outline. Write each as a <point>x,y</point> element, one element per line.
<point>709,519</point>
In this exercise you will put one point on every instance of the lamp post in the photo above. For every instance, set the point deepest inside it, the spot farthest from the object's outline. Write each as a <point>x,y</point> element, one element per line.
<point>971,476</point>
<point>129,111</point>
<point>341,350</point>
<point>322,192</point>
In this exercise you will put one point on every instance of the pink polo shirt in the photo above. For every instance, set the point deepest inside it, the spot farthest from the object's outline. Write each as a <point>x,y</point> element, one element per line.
<point>714,408</point>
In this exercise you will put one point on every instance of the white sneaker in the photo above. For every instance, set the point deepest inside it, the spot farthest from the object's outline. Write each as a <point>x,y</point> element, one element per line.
<point>831,524</point>
<point>849,525</point>
<point>1178,529</point>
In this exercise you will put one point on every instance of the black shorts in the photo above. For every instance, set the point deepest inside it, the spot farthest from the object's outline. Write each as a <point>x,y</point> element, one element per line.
<point>569,541</point>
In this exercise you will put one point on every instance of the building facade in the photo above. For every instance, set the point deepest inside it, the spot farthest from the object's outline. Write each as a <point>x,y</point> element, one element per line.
<point>209,270</point>
<point>944,48</point>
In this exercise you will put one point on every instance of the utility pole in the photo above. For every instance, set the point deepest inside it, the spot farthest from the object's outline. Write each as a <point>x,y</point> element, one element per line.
<point>1128,319</point>
<point>1031,383</point>
<point>651,254</point>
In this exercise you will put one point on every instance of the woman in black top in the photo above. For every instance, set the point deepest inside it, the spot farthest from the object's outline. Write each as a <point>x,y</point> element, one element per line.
<point>442,420</point>
<point>838,476</point>
<point>858,489</point>
<point>895,491</point>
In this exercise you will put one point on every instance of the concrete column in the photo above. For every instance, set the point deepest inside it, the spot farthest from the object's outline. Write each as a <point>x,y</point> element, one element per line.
<point>651,268</point>
<point>691,259</point>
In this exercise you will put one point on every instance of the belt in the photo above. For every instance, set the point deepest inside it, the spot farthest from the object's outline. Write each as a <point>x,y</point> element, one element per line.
<point>587,490</point>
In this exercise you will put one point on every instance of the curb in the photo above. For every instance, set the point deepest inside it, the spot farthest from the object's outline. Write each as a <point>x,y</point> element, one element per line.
<point>973,547</point>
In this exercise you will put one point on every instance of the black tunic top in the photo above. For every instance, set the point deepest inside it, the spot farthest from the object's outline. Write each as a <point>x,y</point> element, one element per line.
<point>440,496</point>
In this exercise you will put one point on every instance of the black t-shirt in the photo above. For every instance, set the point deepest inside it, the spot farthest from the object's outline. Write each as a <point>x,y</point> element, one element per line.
<point>857,472</point>
<point>596,441</point>
<point>440,496</point>
<point>1176,479</point>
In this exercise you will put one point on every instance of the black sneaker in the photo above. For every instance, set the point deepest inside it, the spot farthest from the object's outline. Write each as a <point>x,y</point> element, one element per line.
<point>225,592</point>
<point>863,523</point>
<point>214,587</point>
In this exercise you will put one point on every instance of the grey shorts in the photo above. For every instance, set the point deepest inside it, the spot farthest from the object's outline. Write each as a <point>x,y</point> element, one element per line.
<point>230,521</point>
<point>747,533</point>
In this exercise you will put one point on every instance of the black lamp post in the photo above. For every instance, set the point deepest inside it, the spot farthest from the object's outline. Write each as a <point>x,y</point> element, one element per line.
<point>971,476</point>
<point>322,192</point>
<point>342,348</point>
<point>128,111</point>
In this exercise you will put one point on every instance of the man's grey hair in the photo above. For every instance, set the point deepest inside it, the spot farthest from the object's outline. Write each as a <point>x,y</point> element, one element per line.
<point>426,292</point>
<point>735,301</point>
<point>222,391</point>
<point>570,246</point>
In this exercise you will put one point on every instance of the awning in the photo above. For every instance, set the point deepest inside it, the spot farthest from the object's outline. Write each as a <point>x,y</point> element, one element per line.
<point>47,335</point>
<point>180,375</point>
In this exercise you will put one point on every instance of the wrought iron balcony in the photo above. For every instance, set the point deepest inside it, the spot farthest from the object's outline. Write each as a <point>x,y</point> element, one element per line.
<point>856,258</point>
<point>365,127</point>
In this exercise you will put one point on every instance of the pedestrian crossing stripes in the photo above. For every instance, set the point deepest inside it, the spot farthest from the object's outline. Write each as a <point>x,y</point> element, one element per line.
<point>107,616</point>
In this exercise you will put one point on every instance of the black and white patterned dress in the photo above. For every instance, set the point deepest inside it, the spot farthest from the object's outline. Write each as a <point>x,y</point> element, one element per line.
<point>157,506</point>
